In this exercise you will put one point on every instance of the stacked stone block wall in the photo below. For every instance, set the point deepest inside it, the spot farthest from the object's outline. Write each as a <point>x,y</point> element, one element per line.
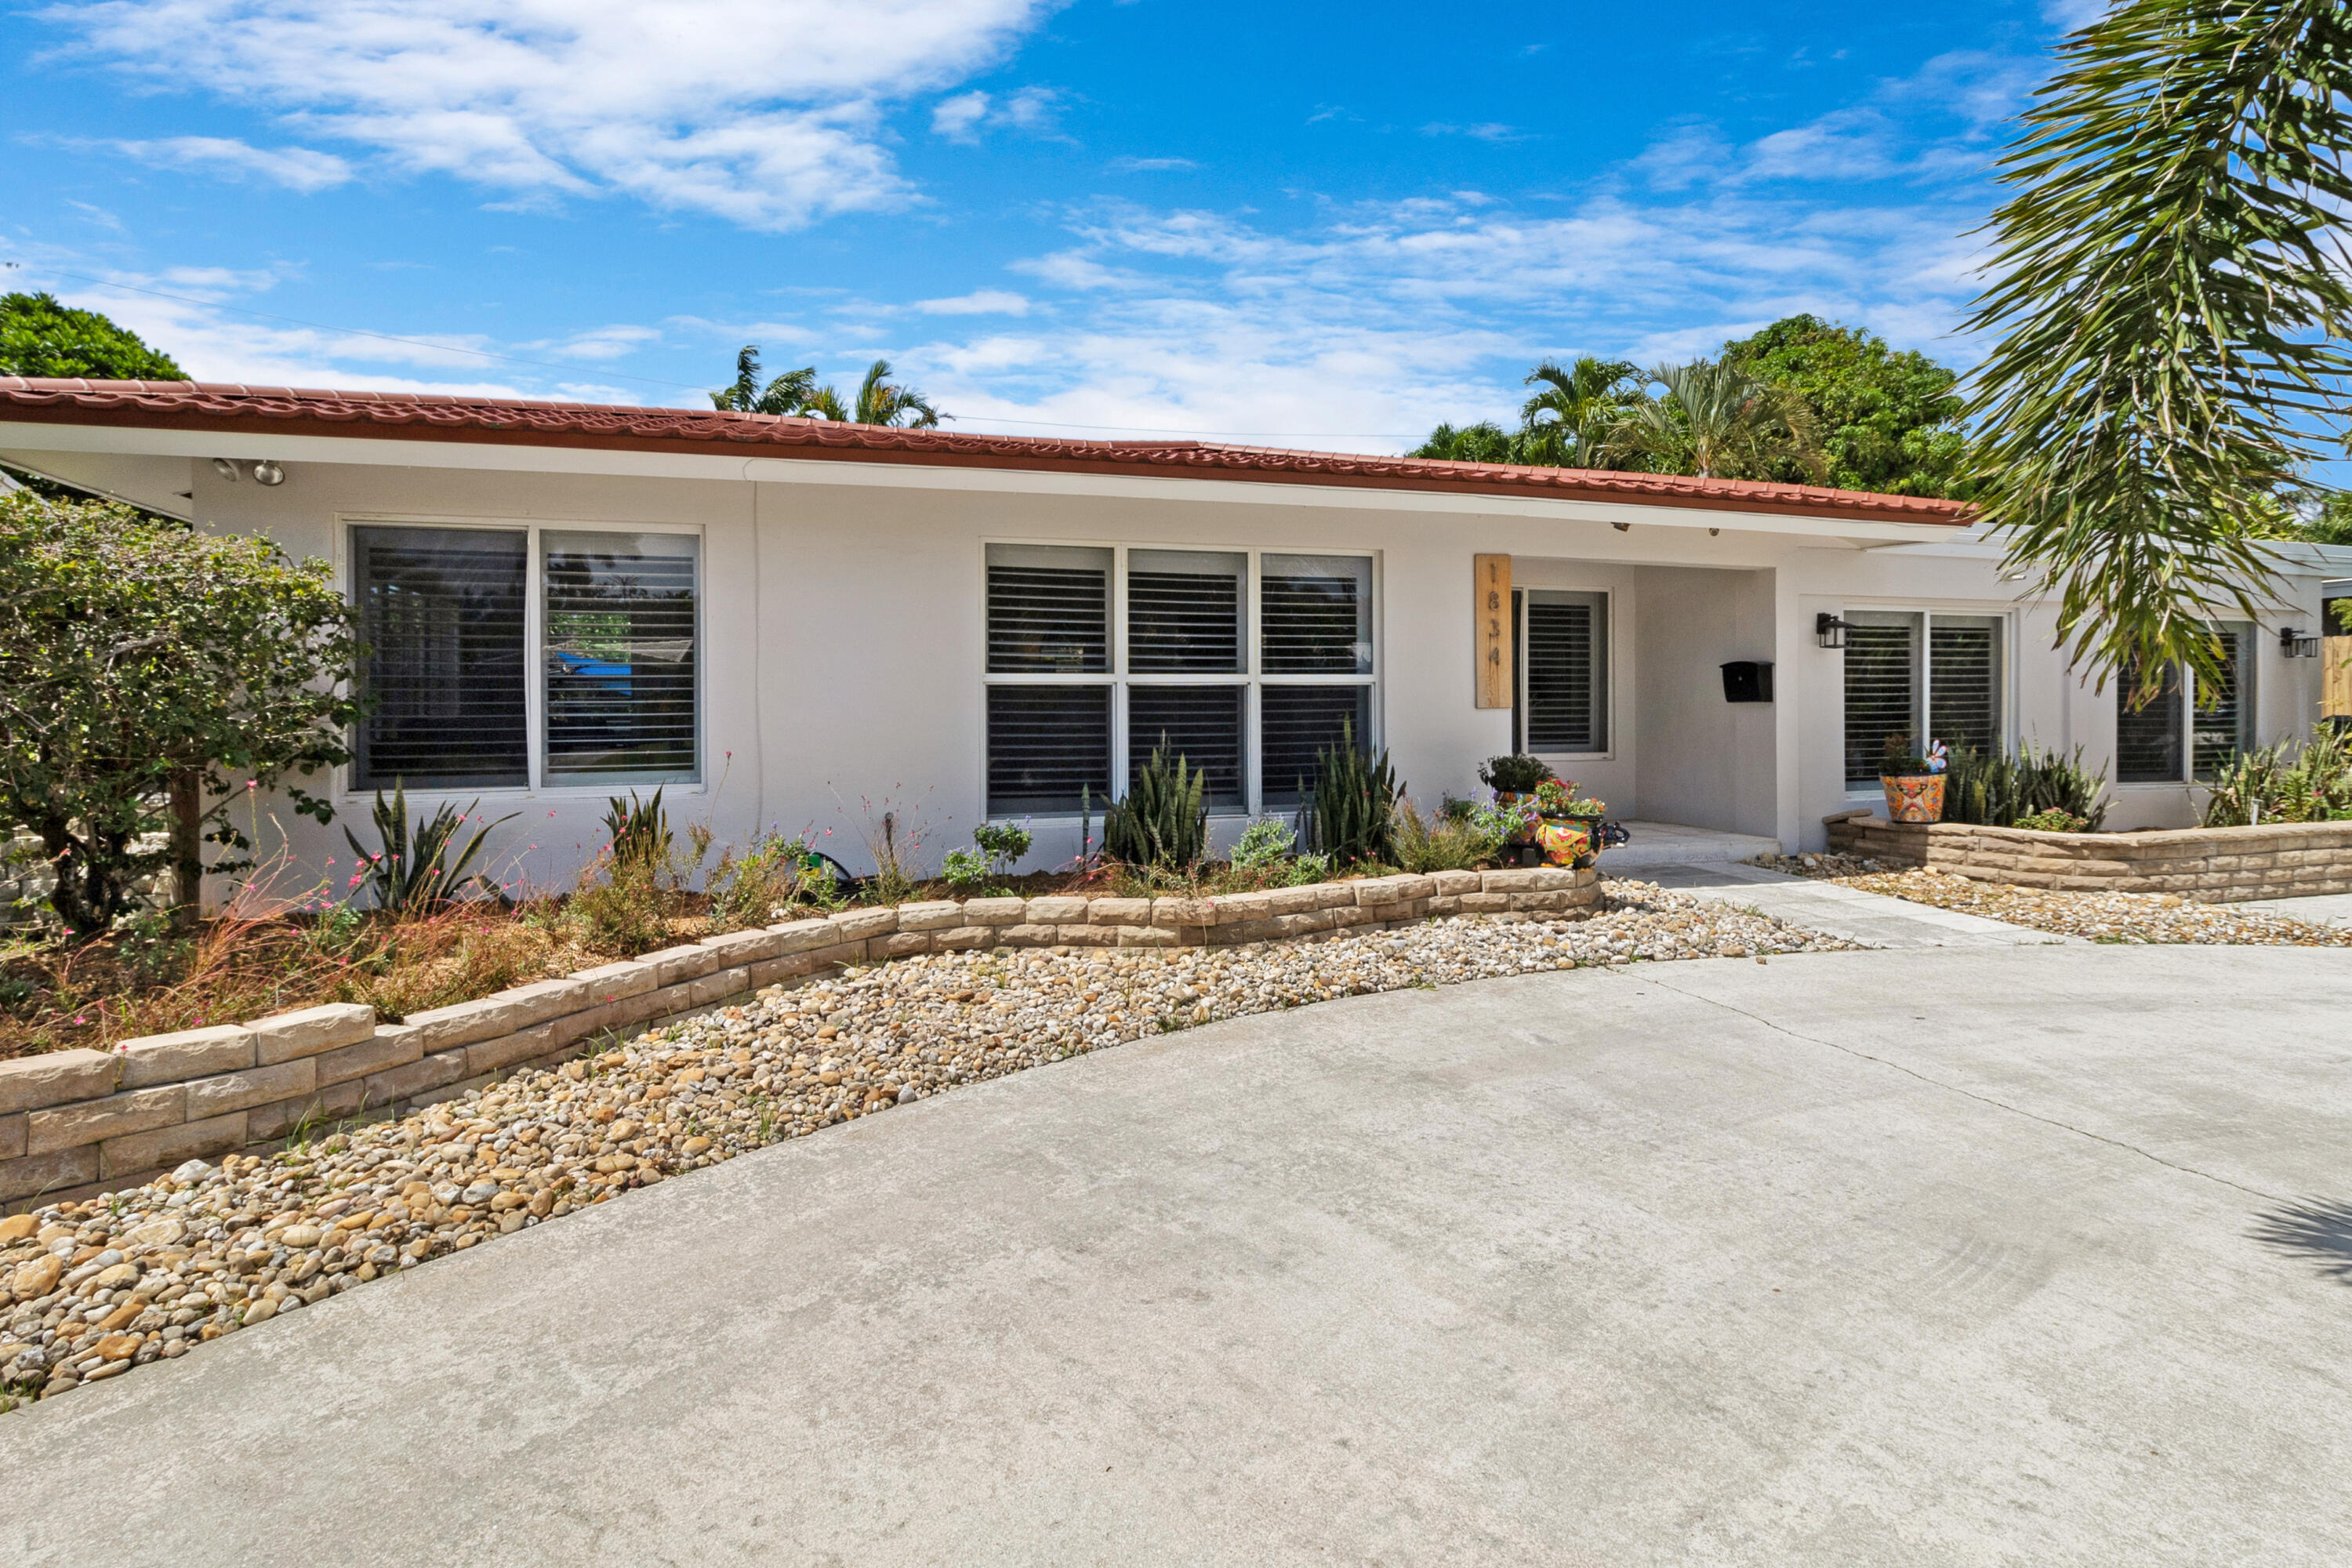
<point>2211,865</point>
<point>77,1122</point>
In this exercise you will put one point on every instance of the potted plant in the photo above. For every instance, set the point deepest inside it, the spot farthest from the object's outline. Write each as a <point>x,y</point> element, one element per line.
<point>1515,780</point>
<point>1569,832</point>
<point>1913,778</point>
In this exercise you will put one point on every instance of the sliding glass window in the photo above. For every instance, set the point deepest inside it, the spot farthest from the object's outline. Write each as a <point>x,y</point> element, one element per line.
<point>448,617</point>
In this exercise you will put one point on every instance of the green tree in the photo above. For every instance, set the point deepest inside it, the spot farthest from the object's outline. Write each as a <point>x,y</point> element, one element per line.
<point>145,669</point>
<point>1715,419</point>
<point>1889,421</point>
<point>40,337</point>
<point>879,402</point>
<point>2168,317</point>
<point>1485,442</point>
<point>1569,422</point>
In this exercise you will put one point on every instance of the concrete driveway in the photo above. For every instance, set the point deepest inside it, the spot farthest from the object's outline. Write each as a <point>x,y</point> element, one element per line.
<point>2030,1256</point>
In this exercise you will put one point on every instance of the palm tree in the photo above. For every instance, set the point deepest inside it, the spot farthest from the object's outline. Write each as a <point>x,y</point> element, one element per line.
<point>797,393</point>
<point>879,403</point>
<point>2170,295</point>
<point>1568,423</point>
<point>1718,422</point>
<point>788,394</point>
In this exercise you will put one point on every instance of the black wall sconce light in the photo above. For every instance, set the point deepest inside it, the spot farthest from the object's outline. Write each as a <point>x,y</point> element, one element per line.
<point>2296,645</point>
<point>1828,631</point>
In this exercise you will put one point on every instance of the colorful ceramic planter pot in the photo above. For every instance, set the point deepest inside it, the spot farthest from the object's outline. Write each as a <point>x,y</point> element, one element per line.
<point>1914,798</point>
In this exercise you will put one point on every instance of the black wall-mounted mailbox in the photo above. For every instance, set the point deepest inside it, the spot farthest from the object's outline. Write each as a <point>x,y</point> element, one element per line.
<point>1747,680</point>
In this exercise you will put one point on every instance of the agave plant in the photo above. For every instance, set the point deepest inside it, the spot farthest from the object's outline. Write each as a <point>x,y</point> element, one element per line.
<point>414,872</point>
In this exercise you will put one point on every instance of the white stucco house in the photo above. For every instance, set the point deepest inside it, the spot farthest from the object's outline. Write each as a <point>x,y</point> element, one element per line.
<point>778,619</point>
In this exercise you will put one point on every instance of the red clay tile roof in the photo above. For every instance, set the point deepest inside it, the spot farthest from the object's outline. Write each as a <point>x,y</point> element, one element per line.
<point>438,416</point>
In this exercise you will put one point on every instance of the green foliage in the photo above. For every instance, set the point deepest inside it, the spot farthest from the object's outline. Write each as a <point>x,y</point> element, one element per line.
<point>1889,421</point>
<point>620,906</point>
<point>639,830</point>
<point>40,337</point>
<point>134,653</point>
<point>1350,814</point>
<point>1902,758</point>
<point>879,401</point>
<point>1518,773</point>
<point>1162,822</point>
<point>997,848</point>
<point>774,874</point>
<point>1571,420</point>
<point>1263,843</point>
<point>1485,442</point>
<point>1715,419</point>
<point>2053,821</point>
<point>1443,843</point>
<point>411,872</point>
<point>2307,781</point>
<point>2171,292</point>
<point>1996,789</point>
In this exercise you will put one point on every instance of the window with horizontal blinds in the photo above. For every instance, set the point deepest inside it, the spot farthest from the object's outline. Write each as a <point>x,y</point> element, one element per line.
<point>1964,682</point>
<point>1882,689</point>
<point>1184,612</point>
<point>1048,748</point>
<point>620,650</point>
<point>2148,734</point>
<point>1297,723</point>
<point>2223,713</point>
<point>442,612</point>
<point>1048,610</point>
<point>1317,612</point>
<point>1564,657</point>
<point>1202,724</point>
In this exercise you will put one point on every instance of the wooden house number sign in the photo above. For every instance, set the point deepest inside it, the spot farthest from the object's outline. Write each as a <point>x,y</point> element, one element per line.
<point>1494,630</point>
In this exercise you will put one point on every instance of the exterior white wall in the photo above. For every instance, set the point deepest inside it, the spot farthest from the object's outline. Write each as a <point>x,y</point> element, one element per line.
<point>842,629</point>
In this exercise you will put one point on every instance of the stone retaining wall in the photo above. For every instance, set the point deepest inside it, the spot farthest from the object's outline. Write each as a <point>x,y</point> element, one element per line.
<point>74,1123</point>
<point>2211,865</point>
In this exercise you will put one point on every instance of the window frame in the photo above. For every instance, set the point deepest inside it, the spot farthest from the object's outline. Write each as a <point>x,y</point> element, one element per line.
<point>1923,691</point>
<point>1251,676</point>
<point>346,567</point>
<point>2250,644</point>
<point>1606,599</point>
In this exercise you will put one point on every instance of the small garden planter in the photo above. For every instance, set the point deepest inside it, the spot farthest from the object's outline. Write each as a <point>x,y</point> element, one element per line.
<point>1914,798</point>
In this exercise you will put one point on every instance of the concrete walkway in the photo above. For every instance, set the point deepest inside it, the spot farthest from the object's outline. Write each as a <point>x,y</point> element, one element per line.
<point>2326,909</point>
<point>1849,912</point>
<point>1958,1256</point>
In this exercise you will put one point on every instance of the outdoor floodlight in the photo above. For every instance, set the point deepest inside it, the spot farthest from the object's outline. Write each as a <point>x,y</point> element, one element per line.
<point>225,469</point>
<point>266,472</point>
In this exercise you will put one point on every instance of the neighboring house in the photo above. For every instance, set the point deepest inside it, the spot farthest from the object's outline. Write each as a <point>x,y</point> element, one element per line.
<point>778,619</point>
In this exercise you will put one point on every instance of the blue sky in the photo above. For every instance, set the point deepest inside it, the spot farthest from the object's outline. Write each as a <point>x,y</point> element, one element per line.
<point>1313,225</point>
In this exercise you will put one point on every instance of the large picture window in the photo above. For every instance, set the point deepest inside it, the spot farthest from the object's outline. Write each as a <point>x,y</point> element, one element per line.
<point>1245,663</point>
<point>610,694</point>
<point>2186,733</point>
<point>1902,669</point>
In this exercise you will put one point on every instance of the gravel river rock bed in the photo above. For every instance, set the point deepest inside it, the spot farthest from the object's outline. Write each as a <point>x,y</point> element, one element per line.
<point>92,1291</point>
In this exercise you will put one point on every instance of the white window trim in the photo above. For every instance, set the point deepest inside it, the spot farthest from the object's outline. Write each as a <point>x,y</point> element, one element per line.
<point>1924,692</point>
<point>350,794</point>
<point>1608,597</point>
<point>1118,679</point>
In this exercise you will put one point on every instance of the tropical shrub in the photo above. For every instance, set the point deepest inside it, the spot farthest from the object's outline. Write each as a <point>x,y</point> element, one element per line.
<point>411,870</point>
<point>153,676</point>
<point>997,848</point>
<point>2306,781</point>
<point>1350,814</point>
<point>1264,842</point>
<point>774,874</point>
<point>2052,821</point>
<point>1995,788</point>
<point>1162,822</point>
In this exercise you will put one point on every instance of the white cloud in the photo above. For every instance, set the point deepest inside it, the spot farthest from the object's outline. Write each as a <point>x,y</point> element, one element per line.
<point>296,168</point>
<point>1488,132</point>
<point>1151,165</point>
<point>983,302</point>
<point>1032,109</point>
<point>597,343</point>
<point>763,111</point>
